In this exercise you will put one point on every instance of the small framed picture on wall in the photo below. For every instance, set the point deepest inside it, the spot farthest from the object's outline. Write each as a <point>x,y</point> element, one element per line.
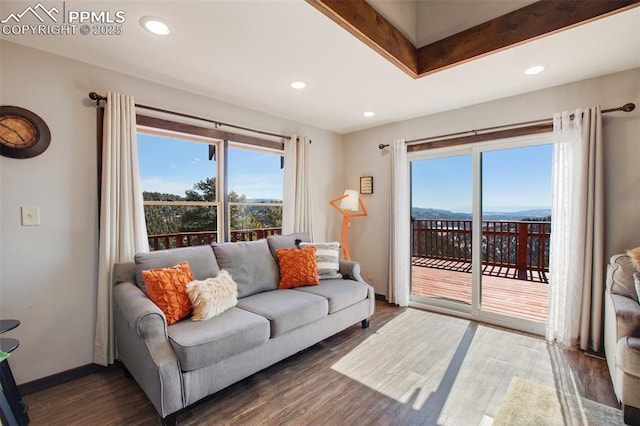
<point>366,185</point>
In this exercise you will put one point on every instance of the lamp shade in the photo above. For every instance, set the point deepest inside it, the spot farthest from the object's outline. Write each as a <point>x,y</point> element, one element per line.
<point>350,202</point>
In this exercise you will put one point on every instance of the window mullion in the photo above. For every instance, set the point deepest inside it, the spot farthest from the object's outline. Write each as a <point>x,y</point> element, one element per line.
<point>225,212</point>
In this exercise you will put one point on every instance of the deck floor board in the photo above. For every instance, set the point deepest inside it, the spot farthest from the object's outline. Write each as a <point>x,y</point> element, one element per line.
<point>508,296</point>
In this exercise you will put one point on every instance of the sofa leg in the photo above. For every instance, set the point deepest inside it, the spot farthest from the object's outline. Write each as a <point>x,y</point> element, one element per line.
<point>170,420</point>
<point>365,323</point>
<point>127,374</point>
<point>631,415</point>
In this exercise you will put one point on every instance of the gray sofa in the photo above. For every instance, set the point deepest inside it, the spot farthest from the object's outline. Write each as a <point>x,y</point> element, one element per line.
<point>622,335</point>
<point>180,364</point>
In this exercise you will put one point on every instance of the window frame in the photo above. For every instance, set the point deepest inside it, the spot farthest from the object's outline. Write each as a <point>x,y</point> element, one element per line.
<point>217,204</point>
<point>222,141</point>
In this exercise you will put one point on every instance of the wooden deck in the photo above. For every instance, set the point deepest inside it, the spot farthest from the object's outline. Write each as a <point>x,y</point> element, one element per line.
<point>501,295</point>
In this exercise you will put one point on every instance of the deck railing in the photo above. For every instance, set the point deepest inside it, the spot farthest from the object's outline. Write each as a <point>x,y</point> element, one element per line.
<point>253,234</point>
<point>188,239</point>
<point>523,245</point>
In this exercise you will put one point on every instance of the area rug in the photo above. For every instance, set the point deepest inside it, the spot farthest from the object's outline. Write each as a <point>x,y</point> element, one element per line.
<point>528,403</point>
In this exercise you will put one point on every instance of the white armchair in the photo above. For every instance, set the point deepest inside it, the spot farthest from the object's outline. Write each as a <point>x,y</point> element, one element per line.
<point>622,335</point>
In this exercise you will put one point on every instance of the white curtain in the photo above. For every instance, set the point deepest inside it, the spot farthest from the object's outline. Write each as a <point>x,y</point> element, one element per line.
<point>297,213</point>
<point>576,264</point>
<point>399,232</point>
<point>122,224</point>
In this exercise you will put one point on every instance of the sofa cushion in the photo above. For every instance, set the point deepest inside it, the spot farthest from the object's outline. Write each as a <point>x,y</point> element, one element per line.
<point>286,309</point>
<point>201,343</point>
<point>339,292</point>
<point>250,264</point>
<point>201,260</point>
<point>285,242</point>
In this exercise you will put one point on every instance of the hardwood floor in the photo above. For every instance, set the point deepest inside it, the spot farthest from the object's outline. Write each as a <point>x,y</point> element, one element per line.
<point>410,367</point>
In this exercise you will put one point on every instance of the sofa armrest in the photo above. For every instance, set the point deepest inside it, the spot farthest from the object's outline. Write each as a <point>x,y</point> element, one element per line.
<point>629,355</point>
<point>627,313</point>
<point>628,373</point>
<point>143,347</point>
<point>135,306</point>
<point>123,272</point>
<point>350,269</point>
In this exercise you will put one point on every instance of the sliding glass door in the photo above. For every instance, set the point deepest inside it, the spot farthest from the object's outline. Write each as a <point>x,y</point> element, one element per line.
<point>500,192</point>
<point>516,227</point>
<point>441,196</point>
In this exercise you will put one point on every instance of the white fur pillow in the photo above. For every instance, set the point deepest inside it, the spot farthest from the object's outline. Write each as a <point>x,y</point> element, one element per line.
<point>634,254</point>
<point>212,296</point>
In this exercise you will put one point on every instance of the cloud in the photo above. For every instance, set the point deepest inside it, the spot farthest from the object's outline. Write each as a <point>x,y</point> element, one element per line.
<point>165,185</point>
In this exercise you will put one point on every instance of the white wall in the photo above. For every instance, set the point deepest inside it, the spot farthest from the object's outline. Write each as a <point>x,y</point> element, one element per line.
<point>48,273</point>
<point>369,237</point>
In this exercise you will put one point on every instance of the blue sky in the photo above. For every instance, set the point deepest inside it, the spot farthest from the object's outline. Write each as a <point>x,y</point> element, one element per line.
<point>172,166</point>
<point>512,180</point>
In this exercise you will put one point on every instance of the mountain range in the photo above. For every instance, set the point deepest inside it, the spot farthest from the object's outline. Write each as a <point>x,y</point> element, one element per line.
<point>424,213</point>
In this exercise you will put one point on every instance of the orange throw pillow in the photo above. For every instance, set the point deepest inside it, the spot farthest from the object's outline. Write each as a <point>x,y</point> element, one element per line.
<point>166,287</point>
<point>297,267</point>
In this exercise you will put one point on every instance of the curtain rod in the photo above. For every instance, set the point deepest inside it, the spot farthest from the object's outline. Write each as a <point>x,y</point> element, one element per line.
<point>97,98</point>
<point>626,108</point>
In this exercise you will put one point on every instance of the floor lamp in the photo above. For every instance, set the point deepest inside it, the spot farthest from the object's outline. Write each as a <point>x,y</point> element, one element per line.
<point>348,206</point>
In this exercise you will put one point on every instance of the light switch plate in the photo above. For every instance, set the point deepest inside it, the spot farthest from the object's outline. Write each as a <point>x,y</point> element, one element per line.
<point>30,216</point>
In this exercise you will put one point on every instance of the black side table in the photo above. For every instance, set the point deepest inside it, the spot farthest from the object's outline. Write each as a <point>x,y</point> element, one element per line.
<point>13,411</point>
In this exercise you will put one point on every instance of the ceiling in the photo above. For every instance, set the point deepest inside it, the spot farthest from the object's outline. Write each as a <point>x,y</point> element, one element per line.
<point>427,21</point>
<point>247,53</point>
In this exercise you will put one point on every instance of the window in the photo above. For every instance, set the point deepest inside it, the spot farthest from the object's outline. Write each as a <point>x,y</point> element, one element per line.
<point>199,190</point>
<point>255,193</point>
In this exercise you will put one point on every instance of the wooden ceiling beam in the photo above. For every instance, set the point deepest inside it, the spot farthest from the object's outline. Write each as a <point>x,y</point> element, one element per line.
<point>529,23</point>
<point>373,29</point>
<point>523,25</point>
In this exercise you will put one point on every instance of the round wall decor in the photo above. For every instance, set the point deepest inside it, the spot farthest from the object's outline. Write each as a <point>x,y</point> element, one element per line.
<point>23,134</point>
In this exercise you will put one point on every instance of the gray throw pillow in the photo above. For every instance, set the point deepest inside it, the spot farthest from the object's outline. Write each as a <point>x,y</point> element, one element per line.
<point>250,264</point>
<point>327,259</point>
<point>201,261</point>
<point>636,281</point>
<point>285,241</point>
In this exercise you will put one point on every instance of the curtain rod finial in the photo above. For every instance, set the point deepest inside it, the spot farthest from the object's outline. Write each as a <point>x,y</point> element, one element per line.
<point>96,97</point>
<point>628,107</point>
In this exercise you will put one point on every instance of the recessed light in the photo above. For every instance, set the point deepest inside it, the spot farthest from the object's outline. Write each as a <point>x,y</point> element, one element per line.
<point>368,114</point>
<point>154,25</point>
<point>298,84</point>
<point>536,69</point>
